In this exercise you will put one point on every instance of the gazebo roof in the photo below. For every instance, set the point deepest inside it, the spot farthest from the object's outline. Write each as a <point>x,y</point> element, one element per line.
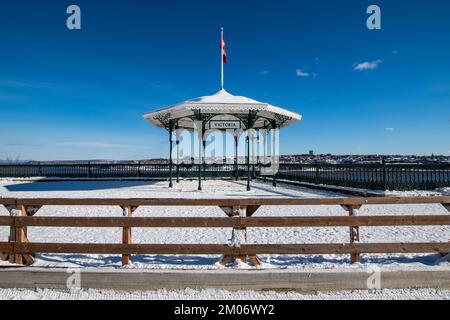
<point>225,107</point>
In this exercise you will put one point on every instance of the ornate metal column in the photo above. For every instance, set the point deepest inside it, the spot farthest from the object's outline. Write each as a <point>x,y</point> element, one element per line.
<point>170,156</point>
<point>200,144</point>
<point>169,125</point>
<point>198,117</point>
<point>265,150</point>
<point>236,165</point>
<point>274,150</point>
<point>204,153</point>
<point>248,161</point>
<point>178,156</point>
<point>276,124</point>
<point>258,141</point>
<point>249,121</point>
<point>255,155</point>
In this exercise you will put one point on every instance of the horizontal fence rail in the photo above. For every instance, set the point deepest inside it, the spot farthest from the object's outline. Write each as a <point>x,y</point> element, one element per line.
<point>222,201</point>
<point>369,176</point>
<point>235,222</point>
<point>19,249</point>
<point>216,249</point>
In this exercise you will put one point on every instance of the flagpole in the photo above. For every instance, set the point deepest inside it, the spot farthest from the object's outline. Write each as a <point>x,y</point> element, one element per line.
<point>221,58</point>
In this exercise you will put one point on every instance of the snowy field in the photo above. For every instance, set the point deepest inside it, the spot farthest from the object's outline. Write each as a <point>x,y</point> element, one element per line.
<point>213,294</point>
<point>217,189</point>
<point>214,189</point>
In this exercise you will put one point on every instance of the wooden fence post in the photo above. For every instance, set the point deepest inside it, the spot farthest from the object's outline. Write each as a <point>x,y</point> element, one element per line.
<point>249,211</point>
<point>13,235</point>
<point>126,233</point>
<point>19,234</point>
<point>29,211</point>
<point>126,236</point>
<point>240,211</point>
<point>232,211</point>
<point>354,232</point>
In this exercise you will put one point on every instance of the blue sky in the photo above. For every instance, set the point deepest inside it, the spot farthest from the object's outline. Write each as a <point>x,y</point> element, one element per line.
<point>81,94</point>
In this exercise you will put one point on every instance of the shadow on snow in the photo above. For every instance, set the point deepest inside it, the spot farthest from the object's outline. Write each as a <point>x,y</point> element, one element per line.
<point>43,186</point>
<point>190,261</point>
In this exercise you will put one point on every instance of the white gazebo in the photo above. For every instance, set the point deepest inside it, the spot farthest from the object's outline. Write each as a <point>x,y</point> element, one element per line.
<point>221,111</point>
<point>224,107</point>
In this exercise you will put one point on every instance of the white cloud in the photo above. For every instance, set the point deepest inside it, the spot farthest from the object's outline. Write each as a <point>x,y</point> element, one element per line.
<point>395,51</point>
<point>391,129</point>
<point>301,73</point>
<point>264,72</point>
<point>21,144</point>
<point>363,66</point>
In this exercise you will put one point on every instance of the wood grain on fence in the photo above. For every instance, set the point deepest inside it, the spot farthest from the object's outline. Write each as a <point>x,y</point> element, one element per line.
<point>222,201</point>
<point>233,222</point>
<point>19,250</point>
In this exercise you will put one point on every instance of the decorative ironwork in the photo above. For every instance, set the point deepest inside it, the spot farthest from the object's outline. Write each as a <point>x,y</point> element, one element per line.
<point>199,116</point>
<point>249,119</point>
<point>203,117</point>
<point>164,119</point>
<point>166,122</point>
<point>281,119</point>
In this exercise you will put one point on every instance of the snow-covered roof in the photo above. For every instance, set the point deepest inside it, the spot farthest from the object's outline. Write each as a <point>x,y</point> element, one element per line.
<point>225,105</point>
<point>223,96</point>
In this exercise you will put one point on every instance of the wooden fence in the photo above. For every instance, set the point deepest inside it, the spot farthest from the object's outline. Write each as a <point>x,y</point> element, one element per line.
<point>240,212</point>
<point>370,176</point>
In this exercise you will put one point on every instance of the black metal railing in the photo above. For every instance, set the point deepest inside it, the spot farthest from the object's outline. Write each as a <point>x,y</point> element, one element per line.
<point>368,176</point>
<point>121,170</point>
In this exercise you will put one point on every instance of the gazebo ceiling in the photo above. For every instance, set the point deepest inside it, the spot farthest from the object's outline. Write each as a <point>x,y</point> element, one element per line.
<point>222,106</point>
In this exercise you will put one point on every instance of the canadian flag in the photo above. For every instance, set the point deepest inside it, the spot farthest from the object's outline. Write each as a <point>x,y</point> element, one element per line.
<point>224,51</point>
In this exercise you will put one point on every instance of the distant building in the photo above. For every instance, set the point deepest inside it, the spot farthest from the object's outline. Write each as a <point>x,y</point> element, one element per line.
<point>311,152</point>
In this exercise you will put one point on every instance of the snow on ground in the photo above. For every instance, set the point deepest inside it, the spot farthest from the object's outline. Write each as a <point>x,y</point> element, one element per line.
<point>213,189</point>
<point>414,193</point>
<point>146,189</point>
<point>214,294</point>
